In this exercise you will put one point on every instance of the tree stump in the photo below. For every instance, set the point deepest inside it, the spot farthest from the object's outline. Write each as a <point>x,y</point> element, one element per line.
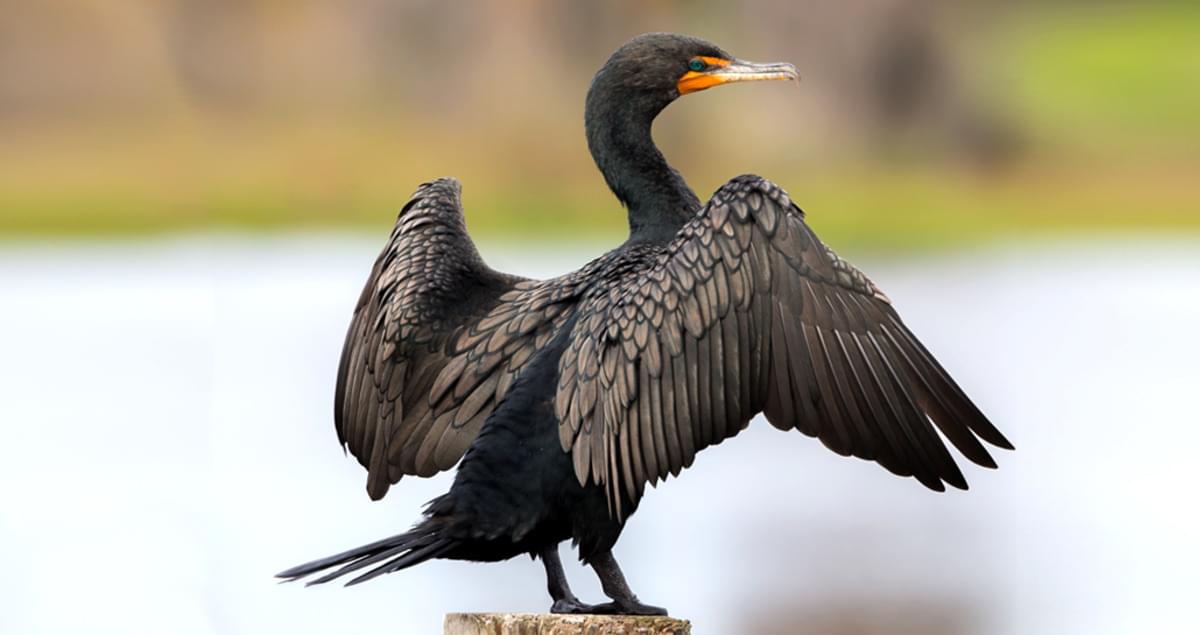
<point>546,624</point>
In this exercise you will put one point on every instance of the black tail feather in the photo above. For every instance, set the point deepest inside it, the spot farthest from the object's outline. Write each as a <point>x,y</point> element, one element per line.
<point>415,556</point>
<point>399,552</point>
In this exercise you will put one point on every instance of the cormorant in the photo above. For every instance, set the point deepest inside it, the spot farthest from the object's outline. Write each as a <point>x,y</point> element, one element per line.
<point>563,398</point>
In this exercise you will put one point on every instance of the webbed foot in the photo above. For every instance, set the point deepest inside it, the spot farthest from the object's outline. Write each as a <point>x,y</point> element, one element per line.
<point>572,606</point>
<point>626,608</point>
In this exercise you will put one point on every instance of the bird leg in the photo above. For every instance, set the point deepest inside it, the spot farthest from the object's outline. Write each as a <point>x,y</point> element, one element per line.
<point>613,581</point>
<point>556,581</point>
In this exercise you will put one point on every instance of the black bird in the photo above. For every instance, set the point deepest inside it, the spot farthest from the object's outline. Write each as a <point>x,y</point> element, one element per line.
<point>563,398</point>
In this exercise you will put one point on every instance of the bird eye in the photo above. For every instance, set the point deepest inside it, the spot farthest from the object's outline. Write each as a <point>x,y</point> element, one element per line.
<point>697,65</point>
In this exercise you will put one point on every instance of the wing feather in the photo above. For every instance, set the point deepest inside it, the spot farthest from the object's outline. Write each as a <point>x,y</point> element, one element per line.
<point>436,339</point>
<point>747,312</point>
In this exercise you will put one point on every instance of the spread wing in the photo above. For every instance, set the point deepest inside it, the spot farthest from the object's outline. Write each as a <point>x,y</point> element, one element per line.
<point>436,340</point>
<point>745,312</point>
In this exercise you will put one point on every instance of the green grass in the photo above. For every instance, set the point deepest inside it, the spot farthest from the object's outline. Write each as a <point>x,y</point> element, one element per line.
<point>1108,75</point>
<point>876,207</point>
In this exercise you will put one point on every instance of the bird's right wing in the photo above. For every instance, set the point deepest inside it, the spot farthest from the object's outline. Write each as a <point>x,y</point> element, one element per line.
<point>747,312</point>
<point>436,339</point>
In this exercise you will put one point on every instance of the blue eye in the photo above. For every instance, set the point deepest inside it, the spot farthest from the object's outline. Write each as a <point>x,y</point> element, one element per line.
<point>697,65</point>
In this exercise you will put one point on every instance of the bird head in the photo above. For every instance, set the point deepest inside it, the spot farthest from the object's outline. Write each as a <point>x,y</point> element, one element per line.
<point>637,82</point>
<point>654,69</point>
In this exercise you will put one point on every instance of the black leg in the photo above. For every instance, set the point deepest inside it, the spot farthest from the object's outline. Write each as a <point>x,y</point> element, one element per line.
<point>613,581</point>
<point>556,581</point>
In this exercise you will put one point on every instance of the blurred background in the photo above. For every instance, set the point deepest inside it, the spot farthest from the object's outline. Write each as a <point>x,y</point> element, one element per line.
<point>193,191</point>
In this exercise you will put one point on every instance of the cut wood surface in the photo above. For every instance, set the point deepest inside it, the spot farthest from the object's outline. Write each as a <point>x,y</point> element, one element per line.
<point>546,624</point>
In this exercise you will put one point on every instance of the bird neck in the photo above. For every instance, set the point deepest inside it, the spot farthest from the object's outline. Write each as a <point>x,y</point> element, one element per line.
<point>659,201</point>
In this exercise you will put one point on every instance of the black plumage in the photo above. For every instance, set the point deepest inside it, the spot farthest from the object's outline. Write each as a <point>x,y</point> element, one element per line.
<point>563,398</point>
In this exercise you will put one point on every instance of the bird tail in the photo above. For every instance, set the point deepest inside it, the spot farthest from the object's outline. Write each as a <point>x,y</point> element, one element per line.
<point>401,551</point>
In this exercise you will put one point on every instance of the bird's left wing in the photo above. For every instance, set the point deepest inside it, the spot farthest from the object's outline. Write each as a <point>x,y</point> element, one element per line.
<point>745,312</point>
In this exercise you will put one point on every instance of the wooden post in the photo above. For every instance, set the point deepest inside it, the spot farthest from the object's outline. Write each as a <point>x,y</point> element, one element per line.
<point>546,624</point>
